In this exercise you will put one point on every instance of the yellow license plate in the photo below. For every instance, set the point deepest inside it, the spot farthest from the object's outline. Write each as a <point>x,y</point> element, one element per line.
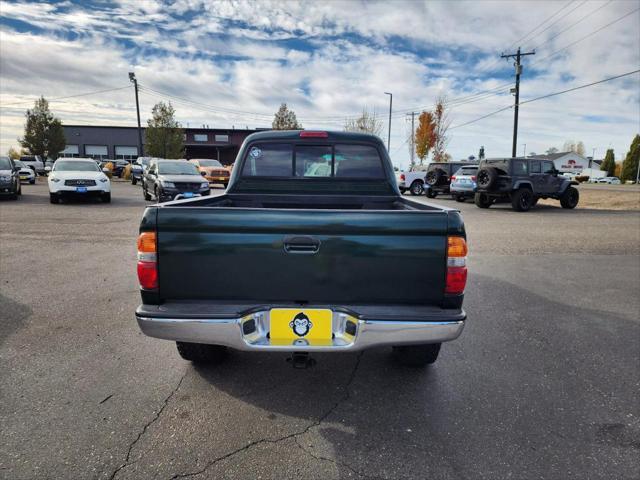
<point>291,326</point>
<point>222,178</point>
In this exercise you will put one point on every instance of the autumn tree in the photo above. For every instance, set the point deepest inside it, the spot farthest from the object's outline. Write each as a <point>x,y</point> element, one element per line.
<point>43,133</point>
<point>365,123</point>
<point>441,125</point>
<point>609,163</point>
<point>424,135</point>
<point>164,137</point>
<point>285,119</point>
<point>630,163</point>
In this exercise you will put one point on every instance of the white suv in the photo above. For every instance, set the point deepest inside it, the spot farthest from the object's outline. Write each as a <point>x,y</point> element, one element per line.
<point>77,177</point>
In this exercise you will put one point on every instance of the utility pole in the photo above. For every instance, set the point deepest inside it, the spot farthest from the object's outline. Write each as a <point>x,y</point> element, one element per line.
<point>413,137</point>
<point>517,56</point>
<point>390,107</point>
<point>132,78</point>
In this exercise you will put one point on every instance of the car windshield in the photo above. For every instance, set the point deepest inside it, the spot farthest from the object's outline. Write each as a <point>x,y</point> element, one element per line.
<point>177,168</point>
<point>75,166</point>
<point>5,164</point>
<point>209,163</point>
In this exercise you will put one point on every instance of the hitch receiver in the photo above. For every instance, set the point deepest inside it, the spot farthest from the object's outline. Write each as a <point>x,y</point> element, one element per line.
<point>301,360</point>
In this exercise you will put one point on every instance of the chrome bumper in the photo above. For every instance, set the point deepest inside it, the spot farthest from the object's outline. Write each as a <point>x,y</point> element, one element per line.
<point>233,333</point>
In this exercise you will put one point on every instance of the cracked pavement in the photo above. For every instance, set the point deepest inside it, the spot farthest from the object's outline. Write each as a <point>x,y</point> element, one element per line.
<point>542,384</point>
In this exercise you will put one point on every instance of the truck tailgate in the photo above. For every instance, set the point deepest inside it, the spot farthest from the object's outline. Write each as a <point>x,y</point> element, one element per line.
<point>268,255</point>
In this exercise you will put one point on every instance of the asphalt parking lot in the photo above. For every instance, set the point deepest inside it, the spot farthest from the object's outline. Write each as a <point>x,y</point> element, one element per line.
<point>543,383</point>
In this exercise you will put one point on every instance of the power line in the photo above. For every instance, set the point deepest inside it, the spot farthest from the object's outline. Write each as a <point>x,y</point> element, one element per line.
<point>543,97</point>
<point>558,20</point>
<point>69,96</point>
<point>587,36</point>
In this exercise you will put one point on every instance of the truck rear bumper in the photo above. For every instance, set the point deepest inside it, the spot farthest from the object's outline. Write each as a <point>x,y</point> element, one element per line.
<point>350,333</point>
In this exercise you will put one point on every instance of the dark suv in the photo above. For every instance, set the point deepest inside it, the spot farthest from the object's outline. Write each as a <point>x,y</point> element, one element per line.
<point>523,181</point>
<point>438,178</point>
<point>9,179</point>
<point>168,179</point>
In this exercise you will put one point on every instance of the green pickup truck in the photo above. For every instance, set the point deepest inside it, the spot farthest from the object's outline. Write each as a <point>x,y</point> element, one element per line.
<point>311,249</point>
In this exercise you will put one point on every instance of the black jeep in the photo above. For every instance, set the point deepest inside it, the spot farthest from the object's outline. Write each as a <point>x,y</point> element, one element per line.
<point>523,181</point>
<point>438,178</point>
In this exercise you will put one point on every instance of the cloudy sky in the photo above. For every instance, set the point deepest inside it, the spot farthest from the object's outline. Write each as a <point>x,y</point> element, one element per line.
<point>231,63</point>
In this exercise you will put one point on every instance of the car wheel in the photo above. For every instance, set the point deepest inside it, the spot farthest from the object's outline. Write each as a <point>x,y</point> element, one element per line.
<point>416,188</point>
<point>431,193</point>
<point>53,198</point>
<point>106,197</point>
<point>133,180</point>
<point>145,193</point>
<point>32,182</point>
<point>522,199</point>
<point>417,355</point>
<point>201,353</point>
<point>570,198</point>
<point>460,198</point>
<point>482,200</point>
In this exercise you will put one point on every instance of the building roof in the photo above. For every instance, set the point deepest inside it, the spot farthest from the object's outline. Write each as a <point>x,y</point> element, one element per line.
<point>555,156</point>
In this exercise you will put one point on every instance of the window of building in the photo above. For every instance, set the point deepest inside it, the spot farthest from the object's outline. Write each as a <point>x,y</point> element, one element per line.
<point>222,138</point>
<point>200,137</point>
<point>97,152</point>
<point>126,152</point>
<point>71,151</point>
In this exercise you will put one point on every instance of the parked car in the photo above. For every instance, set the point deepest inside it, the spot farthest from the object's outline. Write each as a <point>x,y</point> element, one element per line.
<point>138,169</point>
<point>25,173</point>
<point>332,263</point>
<point>438,177</point>
<point>609,180</point>
<point>522,182</point>
<point>166,179</point>
<point>34,162</point>
<point>411,181</point>
<point>78,177</point>
<point>463,183</point>
<point>9,179</point>
<point>212,170</point>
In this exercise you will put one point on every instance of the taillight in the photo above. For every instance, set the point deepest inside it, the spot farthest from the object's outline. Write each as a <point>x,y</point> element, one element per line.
<point>473,177</point>
<point>402,177</point>
<point>453,177</point>
<point>313,134</point>
<point>456,265</point>
<point>147,261</point>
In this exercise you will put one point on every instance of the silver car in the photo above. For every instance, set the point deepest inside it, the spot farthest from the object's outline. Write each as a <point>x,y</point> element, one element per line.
<point>463,183</point>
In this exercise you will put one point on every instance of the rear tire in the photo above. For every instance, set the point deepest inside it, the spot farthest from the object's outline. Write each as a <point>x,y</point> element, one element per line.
<point>570,198</point>
<point>486,177</point>
<point>417,355</point>
<point>482,200</point>
<point>431,193</point>
<point>460,198</point>
<point>53,198</point>
<point>417,188</point>
<point>200,353</point>
<point>522,200</point>
<point>145,193</point>
<point>133,180</point>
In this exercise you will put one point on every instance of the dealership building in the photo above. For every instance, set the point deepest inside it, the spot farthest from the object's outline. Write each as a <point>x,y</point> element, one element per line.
<point>106,142</point>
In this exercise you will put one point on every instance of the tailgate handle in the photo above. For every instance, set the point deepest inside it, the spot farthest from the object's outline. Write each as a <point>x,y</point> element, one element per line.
<point>301,244</point>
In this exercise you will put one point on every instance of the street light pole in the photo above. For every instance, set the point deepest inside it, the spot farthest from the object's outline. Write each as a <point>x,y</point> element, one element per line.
<point>524,149</point>
<point>390,108</point>
<point>132,78</point>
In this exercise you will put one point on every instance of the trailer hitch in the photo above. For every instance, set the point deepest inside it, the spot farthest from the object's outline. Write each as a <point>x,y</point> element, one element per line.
<point>301,360</point>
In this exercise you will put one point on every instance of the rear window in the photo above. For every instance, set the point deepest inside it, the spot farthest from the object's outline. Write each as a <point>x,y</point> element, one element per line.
<point>306,161</point>
<point>467,171</point>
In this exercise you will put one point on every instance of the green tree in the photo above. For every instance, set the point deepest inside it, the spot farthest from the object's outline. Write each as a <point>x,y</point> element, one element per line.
<point>609,163</point>
<point>164,137</point>
<point>365,123</point>
<point>424,135</point>
<point>630,163</point>
<point>285,119</point>
<point>43,133</point>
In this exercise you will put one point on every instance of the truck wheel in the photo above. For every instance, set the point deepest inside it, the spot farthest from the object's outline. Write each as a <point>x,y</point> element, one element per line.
<point>570,198</point>
<point>417,355</point>
<point>486,177</point>
<point>482,200</point>
<point>434,177</point>
<point>522,200</point>
<point>201,353</point>
<point>416,188</point>
<point>431,193</point>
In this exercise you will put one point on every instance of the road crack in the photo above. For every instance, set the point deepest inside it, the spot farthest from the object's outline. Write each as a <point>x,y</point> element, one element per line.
<point>293,435</point>
<point>144,429</point>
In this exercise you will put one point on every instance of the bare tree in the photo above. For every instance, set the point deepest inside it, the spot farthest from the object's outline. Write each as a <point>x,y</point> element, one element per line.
<point>442,123</point>
<point>365,123</point>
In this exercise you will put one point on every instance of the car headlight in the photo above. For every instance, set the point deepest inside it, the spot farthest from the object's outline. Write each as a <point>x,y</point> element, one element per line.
<point>4,178</point>
<point>168,184</point>
<point>104,179</point>
<point>54,179</point>
<point>204,185</point>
